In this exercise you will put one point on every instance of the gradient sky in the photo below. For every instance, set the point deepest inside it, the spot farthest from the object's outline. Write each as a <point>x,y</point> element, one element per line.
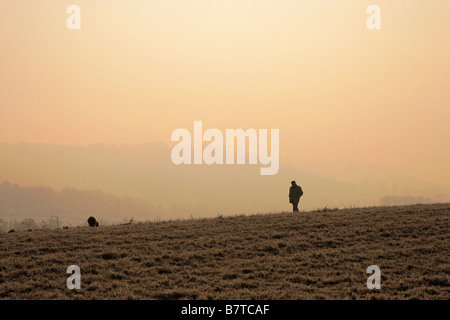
<point>137,70</point>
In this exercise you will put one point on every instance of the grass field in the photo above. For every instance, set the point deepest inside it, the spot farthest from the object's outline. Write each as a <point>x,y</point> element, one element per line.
<point>309,255</point>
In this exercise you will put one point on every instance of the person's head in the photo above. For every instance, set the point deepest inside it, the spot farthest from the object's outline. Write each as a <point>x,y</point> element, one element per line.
<point>293,183</point>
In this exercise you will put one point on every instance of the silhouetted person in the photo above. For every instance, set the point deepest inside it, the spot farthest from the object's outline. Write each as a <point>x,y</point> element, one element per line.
<point>295,192</point>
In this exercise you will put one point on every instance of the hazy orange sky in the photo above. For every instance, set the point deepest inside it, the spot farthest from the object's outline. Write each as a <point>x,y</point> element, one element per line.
<point>137,70</point>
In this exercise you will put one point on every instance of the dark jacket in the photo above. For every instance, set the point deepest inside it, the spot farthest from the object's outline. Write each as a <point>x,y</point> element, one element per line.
<point>295,192</point>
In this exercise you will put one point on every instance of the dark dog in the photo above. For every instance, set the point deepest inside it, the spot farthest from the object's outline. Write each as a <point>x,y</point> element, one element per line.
<point>92,222</point>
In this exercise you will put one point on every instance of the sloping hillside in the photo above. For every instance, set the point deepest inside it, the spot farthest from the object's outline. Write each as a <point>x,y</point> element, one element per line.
<point>71,206</point>
<point>313,255</point>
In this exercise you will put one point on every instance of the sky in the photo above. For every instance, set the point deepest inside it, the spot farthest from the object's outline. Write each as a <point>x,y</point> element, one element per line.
<point>339,93</point>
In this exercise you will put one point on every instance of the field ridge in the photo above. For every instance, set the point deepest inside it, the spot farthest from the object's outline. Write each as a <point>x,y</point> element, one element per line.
<point>319,254</point>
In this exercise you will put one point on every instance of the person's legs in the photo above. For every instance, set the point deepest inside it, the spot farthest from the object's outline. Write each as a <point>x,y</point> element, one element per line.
<point>295,205</point>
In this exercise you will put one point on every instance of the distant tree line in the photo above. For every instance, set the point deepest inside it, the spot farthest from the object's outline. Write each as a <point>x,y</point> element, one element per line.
<point>29,224</point>
<point>21,207</point>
